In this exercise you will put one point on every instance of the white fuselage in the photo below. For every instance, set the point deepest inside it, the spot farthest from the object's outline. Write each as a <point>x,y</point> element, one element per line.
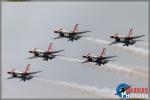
<point>123,39</point>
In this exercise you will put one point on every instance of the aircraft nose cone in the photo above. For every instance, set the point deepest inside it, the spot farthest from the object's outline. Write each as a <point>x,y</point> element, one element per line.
<point>84,56</point>
<point>30,51</point>
<point>8,72</point>
<point>55,31</point>
<point>111,36</point>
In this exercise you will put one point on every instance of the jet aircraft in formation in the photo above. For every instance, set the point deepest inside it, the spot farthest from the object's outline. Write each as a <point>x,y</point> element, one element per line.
<point>126,40</point>
<point>71,35</point>
<point>98,59</point>
<point>49,54</point>
<point>25,75</point>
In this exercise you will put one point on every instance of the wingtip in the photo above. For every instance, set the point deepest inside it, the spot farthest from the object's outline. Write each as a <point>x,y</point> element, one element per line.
<point>27,58</point>
<point>52,38</point>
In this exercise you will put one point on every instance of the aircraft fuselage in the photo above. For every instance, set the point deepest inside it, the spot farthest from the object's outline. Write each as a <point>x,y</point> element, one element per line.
<point>127,41</point>
<point>97,60</point>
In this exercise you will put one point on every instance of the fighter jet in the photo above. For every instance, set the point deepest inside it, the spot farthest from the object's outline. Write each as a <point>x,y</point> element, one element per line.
<point>71,35</point>
<point>123,89</point>
<point>126,40</point>
<point>98,59</point>
<point>25,75</point>
<point>46,55</point>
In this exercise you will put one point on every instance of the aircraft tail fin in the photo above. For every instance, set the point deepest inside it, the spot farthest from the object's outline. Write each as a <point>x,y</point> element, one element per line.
<point>27,68</point>
<point>75,28</point>
<point>103,52</point>
<point>130,32</point>
<point>50,47</point>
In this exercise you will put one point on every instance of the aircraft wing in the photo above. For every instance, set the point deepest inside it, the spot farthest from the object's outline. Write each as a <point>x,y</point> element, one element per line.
<point>34,76</point>
<point>139,40</point>
<point>113,42</point>
<point>137,36</point>
<point>10,77</point>
<point>56,51</point>
<point>57,37</point>
<point>111,60</point>
<point>83,35</point>
<point>58,55</point>
<point>85,61</point>
<point>34,72</point>
<point>32,57</point>
<point>82,32</point>
<point>109,57</point>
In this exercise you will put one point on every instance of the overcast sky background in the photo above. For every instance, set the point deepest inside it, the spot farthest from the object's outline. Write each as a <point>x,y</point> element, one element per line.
<point>31,24</point>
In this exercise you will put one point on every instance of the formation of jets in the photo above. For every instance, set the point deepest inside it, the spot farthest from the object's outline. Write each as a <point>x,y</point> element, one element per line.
<point>25,75</point>
<point>71,36</point>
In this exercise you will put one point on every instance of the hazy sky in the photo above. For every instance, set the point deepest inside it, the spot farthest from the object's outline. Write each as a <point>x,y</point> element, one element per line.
<point>31,24</point>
